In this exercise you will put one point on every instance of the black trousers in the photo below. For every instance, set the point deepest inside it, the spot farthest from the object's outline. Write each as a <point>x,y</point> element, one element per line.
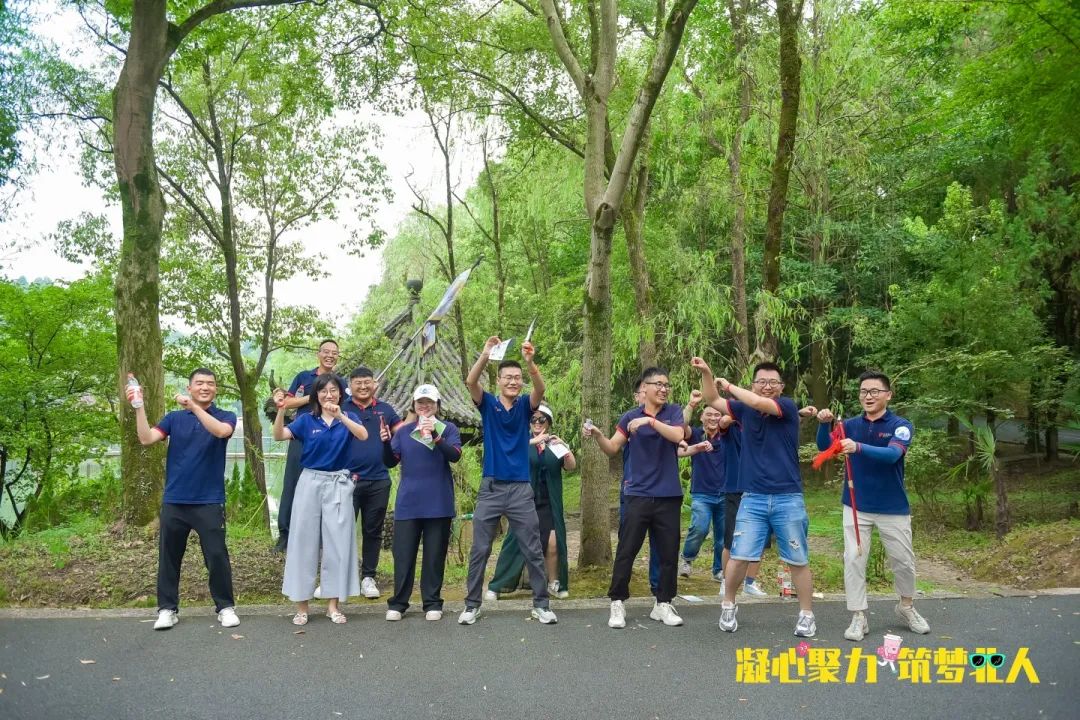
<point>288,488</point>
<point>435,533</point>
<point>370,498</point>
<point>659,517</point>
<point>177,522</point>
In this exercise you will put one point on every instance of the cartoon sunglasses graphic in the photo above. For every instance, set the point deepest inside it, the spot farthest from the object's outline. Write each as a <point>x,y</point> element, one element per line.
<point>978,660</point>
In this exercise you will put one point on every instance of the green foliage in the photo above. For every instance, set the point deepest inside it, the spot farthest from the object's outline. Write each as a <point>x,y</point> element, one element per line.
<point>242,498</point>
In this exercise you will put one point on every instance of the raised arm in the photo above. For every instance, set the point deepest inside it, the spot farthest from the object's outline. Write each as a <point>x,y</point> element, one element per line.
<point>472,381</point>
<point>709,395</point>
<point>280,431</point>
<point>215,427</point>
<point>751,399</point>
<point>536,396</point>
<point>691,406</point>
<point>147,435</point>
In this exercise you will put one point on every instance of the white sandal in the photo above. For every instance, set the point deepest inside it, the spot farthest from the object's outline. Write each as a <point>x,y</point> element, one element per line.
<point>300,618</point>
<point>337,617</point>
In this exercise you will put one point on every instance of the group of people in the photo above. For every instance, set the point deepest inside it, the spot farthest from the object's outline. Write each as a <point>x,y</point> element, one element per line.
<point>745,489</point>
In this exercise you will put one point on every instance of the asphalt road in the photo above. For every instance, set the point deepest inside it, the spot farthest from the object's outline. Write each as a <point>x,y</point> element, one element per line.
<point>508,667</point>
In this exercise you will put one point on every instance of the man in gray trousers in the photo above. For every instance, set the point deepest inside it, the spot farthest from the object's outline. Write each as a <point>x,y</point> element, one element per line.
<point>505,488</point>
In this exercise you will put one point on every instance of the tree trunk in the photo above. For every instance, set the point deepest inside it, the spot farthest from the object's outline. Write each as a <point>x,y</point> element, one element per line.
<point>788,13</point>
<point>738,192</point>
<point>633,220</point>
<point>138,331</point>
<point>596,478</point>
<point>254,456</point>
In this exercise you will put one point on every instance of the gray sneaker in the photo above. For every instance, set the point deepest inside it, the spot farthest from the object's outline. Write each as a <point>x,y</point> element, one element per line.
<point>684,567</point>
<point>544,615</point>
<point>753,589</point>
<point>468,616</point>
<point>911,617</point>
<point>858,628</point>
<point>805,627</point>
<point>728,623</point>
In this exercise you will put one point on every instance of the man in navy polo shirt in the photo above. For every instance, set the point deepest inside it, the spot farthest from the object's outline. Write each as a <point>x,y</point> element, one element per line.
<point>505,489</point>
<point>194,496</point>
<point>297,399</point>
<point>708,461</point>
<point>876,443</point>
<point>371,493</point>
<point>653,493</point>
<point>772,498</point>
<point>654,556</point>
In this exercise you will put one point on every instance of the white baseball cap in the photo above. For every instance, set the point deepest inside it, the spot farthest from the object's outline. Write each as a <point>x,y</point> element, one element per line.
<point>546,411</point>
<point>426,391</point>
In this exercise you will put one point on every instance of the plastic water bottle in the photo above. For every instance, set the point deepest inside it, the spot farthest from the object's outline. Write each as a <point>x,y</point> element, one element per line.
<point>783,581</point>
<point>136,394</point>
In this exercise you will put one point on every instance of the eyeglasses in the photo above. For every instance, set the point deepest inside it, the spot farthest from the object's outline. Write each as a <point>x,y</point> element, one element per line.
<point>871,392</point>
<point>659,385</point>
<point>538,420</point>
<point>768,383</point>
<point>977,660</point>
<point>511,378</point>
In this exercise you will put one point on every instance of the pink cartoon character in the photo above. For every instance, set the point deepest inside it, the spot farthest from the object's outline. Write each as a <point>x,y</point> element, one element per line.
<point>890,651</point>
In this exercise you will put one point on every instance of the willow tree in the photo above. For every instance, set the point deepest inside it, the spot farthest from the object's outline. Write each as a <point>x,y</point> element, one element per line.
<point>157,29</point>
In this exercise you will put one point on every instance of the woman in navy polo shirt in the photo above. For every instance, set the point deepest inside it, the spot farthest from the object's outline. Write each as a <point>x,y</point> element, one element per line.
<point>322,507</point>
<point>424,507</point>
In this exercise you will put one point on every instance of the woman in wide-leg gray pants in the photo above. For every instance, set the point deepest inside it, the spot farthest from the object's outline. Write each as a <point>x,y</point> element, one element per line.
<point>322,517</point>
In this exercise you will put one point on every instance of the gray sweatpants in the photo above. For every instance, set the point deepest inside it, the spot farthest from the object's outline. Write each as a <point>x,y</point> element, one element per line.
<point>894,531</point>
<point>515,501</point>
<point>322,515</point>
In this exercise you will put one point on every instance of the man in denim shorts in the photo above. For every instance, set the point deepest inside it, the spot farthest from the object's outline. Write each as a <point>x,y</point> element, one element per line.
<point>772,488</point>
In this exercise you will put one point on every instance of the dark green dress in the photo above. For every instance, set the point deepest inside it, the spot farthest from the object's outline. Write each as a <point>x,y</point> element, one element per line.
<point>547,469</point>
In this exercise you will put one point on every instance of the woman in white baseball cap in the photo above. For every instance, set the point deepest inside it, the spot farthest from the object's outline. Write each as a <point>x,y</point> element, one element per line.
<point>549,456</point>
<point>424,507</point>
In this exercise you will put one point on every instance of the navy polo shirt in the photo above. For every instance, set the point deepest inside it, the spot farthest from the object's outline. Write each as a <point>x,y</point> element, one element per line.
<point>365,457</point>
<point>301,387</point>
<point>426,487</point>
<point>195,461</point>
<point>654,460</point>
<point>324,447</point>
<point>769,462</point>
<point>732,451</point>
<point>506,438</point>
<point>708,469</point>
<point>879,486</point>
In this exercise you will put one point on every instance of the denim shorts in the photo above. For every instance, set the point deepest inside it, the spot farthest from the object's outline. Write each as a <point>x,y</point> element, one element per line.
<point>784,515</point>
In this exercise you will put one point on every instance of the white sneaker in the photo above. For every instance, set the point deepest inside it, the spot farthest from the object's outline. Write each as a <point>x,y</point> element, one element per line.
<point>393,615</point>
<point>805,626</point>
<point>227,617</point>
<point>544,615</point>
<point>468,616</point>
<point>728,623</point>
<point>166,619</point>
<point>369,589</point>
<point>618,615</point>
<point>915,622</point>
<point>433,615</point>
<point>665,613</point>
<point>553,588</point>
<point>753,589</point>
<point>684,567</point>
<point>718,576</point>
<point>858,628</point>
<point>491,595</point>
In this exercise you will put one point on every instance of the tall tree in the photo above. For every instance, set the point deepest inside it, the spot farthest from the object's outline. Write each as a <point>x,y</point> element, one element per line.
<point>153,39</point>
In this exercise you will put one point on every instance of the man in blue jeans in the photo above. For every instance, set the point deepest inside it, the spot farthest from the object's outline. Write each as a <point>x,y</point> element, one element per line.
<point>707,452</point>
<point>772,488</point>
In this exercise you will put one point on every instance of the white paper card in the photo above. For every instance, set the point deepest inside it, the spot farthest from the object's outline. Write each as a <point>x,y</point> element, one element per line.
<point>499,351</point>
<point>558,450</point>
<point>691,598</point>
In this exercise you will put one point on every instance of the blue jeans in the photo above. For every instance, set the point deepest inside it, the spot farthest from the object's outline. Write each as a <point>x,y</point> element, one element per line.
<point>784,514</point>
<point>654,556</point>
<point>706,510</point>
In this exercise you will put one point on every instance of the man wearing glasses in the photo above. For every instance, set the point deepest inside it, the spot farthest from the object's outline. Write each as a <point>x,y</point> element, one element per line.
<point>371,478</point>
<point>772,488</point>
<point>504,488</point>
<point>297,399</point>
<point>876,443</point>
<point>653,492</point>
